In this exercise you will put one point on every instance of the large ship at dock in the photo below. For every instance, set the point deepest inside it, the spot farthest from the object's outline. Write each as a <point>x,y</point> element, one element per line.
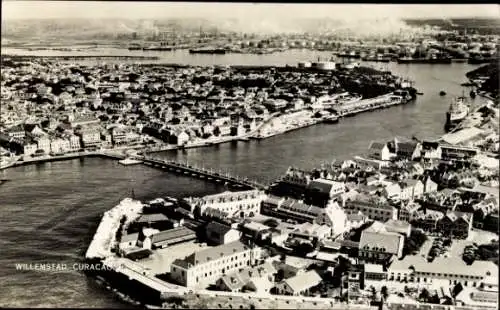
<point>457,112</point>
<point>330,102</point>
<point>429,60</point>
<point>377,58</point>
<point>207,51</point>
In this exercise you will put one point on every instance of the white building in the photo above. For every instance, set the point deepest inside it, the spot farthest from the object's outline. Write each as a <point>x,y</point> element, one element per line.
<point>91,137</point>
<point>43,143</point>
<point>60,146</point>
<point>299,284</point>
<point>483,296</point>
<point>392,192</point>
<point>411,189</point>
<point>379,151</point>
<point>334,217</point>
<point>230,204</point>
<point>74,143</point>
<point>205,266</point>
<point>375,209</point>
<point>30,149</point>
<point>380,245</point>
<point>311,232</point>
<point>416,271</point>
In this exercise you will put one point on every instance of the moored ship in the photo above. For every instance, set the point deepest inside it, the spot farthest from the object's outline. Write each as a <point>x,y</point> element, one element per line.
<point>129,161</point>
<point>457,112</point>
<point>207,51</point>
<point>431,60</point>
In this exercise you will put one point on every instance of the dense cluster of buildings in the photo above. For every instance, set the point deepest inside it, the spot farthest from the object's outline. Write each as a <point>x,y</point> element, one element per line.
<point>58,107</point>
<point>360,223</point>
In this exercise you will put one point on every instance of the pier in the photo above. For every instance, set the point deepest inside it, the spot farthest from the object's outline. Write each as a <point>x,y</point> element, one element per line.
<point>372,104</point>
<point>203,173</point>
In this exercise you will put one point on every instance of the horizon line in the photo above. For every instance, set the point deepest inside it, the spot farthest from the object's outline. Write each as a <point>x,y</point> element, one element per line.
<point>222,18</point>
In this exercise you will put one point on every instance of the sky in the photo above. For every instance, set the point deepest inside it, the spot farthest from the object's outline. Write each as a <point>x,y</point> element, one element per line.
<point>14,9</point>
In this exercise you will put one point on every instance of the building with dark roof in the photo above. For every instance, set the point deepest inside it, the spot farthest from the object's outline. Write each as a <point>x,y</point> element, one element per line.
<point>456,224</point>
<point>320,191</point>
<point>206,266</point>
<point>409,150</point>
<point>154,220</point>
<point>218,233</point>
<point>238,280</point>
<point>172,236</point>
<point>379,151</point>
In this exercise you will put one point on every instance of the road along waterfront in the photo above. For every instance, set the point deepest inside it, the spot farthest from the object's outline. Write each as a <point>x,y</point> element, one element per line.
<point>51,210</point>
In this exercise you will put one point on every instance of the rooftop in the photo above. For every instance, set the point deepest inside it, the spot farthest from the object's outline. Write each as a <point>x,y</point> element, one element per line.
<point>324,185</point>
<point>149,218</point>
<point>377,146</point>
<point>389,242</point>
<point>445,265</point>
<point>374,268</point>
<point>219,228</point>
<point>130,237</point>
<point>228,196</point>
<point>178,232</point>
<point>211,253</point>
<point>303,281</point>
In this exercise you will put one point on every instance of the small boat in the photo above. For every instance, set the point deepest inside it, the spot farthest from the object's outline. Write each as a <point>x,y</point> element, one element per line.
<point>129,161</point>
<point>442,93</point>
<point>468,84</point>
<point>420,93</point>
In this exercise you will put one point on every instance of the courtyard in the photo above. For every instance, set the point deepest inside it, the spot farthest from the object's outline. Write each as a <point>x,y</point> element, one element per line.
<point>161,260</point>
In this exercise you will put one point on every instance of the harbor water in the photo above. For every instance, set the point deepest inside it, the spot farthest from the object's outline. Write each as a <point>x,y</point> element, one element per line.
<point>50,211</point>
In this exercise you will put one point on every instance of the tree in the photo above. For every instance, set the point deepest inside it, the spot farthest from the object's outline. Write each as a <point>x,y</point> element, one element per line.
<point>280,275</point>
<point>303,248</point>
<point>406,289</point>
<point>384,292</point>
<point>414,242</point>
<point>424,295</point>
<point>373,292</point>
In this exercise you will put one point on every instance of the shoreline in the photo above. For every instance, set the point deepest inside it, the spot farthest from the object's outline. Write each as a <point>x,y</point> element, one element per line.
<point>253,135</point>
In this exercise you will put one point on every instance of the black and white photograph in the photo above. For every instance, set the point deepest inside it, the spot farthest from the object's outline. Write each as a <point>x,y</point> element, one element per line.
<point>249,155</point>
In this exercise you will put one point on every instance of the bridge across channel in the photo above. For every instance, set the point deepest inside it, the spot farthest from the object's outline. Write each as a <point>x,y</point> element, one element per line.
<point>208,174</point>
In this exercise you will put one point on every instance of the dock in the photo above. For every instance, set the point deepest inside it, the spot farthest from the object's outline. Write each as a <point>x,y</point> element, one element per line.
<point>372,104</point>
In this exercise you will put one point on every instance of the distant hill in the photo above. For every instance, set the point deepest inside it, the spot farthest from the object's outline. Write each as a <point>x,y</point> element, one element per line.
<point>479,25</point>
<point>85,29</point>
